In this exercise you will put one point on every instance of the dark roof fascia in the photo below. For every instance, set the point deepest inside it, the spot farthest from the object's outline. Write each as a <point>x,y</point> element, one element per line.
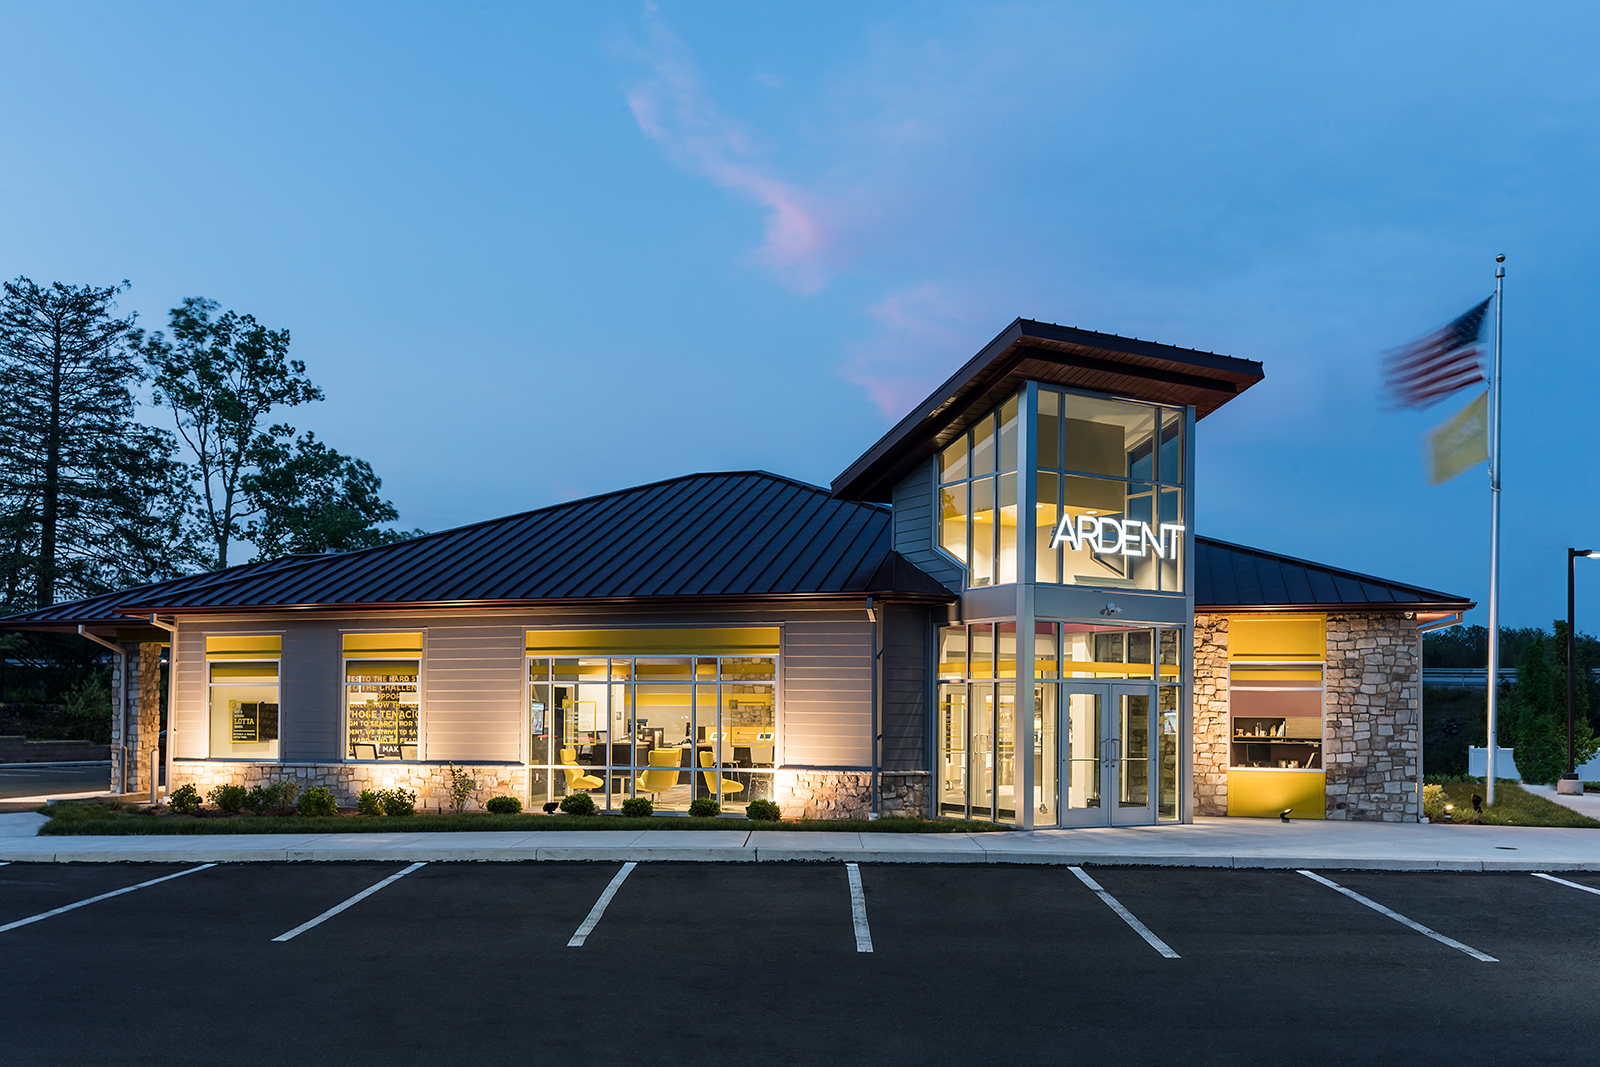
<point>917,596</point>
<point>871,476</point>
<point>1438,601</point>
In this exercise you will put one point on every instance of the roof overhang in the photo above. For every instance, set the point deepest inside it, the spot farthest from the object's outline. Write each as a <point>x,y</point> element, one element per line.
<point>1425,613</point>
<point>1060,355</point>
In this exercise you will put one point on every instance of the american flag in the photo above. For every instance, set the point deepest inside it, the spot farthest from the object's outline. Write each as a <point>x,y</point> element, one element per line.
<point>1426,372</point>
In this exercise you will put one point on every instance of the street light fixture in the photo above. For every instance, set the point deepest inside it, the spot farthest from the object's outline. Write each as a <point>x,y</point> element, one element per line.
<point>1572,677</point>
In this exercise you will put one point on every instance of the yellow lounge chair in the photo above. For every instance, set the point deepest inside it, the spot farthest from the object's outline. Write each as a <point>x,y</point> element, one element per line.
<point>577,781</point>
<point>728,784</point>
<point>663,772</point>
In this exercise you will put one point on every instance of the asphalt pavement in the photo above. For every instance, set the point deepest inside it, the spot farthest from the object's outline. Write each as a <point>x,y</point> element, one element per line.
<point>37,779</point>
<point>428,962</point>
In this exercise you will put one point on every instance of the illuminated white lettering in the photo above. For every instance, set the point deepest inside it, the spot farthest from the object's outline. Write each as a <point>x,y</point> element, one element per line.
<point>1148,538</point>
<point>1126,537</point>
<point>1108,536</point>
<point>1066,533</point>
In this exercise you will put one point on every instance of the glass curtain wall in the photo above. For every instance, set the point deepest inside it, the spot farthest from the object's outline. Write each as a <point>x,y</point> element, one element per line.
<point>976,757</point>
<point>669,728</point>
<point>1109,485</point>
<point>978,497</point>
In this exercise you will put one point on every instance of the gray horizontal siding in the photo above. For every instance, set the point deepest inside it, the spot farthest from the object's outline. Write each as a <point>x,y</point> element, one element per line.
<point>827,690</point>
<point>473,691</point>
<point>915,533</point>
<point>311,693</point>
<point>906,638</point>
<point>190,732</point>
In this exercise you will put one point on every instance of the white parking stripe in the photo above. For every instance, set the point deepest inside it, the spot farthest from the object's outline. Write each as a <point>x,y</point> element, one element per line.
<point>1563,881</point>
<point>599,908</point>
<point>1397,917</point>
<point>102,896</point>
<point>358,898</point>
<point>1127,916</point>
<point>858,908</point>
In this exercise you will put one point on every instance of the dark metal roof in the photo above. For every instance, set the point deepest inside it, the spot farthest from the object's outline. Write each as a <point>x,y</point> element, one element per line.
<point>1061,355</point>
<point>733,536</point>
<point>1235,578</point>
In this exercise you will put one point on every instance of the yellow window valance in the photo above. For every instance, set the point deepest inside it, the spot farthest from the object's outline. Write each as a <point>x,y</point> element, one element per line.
<point>383,645</point>
<point>709,641</point>
<point>1277,637</point>
<point>244,646</point>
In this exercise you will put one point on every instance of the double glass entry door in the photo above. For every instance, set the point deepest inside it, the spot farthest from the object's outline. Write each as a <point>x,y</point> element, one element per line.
<point>1107,766</point>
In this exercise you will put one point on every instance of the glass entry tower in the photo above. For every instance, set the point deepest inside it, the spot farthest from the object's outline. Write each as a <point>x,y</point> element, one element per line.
<point>1070,516</point>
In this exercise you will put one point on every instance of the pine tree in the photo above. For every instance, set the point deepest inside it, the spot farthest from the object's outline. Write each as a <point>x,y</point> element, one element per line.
<point>90,500</point>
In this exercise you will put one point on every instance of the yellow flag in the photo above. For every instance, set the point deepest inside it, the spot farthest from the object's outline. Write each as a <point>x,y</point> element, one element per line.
<point>1460,442</point>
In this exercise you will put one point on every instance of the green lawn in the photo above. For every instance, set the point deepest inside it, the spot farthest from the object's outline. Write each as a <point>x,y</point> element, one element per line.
<point>1513,806</point>
<point>80,818</point>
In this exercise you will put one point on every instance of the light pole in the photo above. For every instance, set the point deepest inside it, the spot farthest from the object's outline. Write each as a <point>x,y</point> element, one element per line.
<point>1572,678</point>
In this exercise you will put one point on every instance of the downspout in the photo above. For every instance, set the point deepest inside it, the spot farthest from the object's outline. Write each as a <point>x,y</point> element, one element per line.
<point>122,702</point>
<point>172,681</point>
<point>872,618</point>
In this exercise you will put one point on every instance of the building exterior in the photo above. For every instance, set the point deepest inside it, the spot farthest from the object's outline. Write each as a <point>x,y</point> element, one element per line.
<point>840,651</point>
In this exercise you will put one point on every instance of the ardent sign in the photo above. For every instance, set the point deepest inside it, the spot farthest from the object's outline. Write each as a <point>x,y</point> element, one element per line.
<point>1125,537</point>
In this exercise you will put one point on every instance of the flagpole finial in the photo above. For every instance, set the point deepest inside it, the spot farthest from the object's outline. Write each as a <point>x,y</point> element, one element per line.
<point>1500,258</point>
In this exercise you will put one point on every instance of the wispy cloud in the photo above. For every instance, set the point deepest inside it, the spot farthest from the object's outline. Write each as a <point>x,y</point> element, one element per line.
<point>922,333</point>
<point>673,107</point>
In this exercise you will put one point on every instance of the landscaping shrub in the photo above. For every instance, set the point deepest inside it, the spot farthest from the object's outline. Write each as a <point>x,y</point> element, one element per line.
<point>763,811</point>
<point>229,798</point>
<point>638,807</point>
<point>578,804</point>
<point>460,788</point>
<point>503,806</point>
<point>260,798</point>
<point>318,801</point>
<point>399,801</point>
<point>185,800</point>
<point>1433,802</point>
<point>705,808</point>
<point>370,802</point>
<point>284,795</point>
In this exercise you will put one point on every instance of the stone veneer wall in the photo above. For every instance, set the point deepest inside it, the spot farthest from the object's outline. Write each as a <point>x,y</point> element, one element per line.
<point>848,794</point>
<point>1371,732</point>
<point>347,780</point>
<point>1370,726</point>
<point>1211,715</point>
<point>800,794</point>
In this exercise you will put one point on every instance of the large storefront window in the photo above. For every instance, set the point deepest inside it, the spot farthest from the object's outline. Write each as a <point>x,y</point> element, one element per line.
<point>1109,507</point>
<point>1098,750</point>
<point>1107,490</point>
<point>670,728</point>
<point>978,497</point>
<point>242,677</point>
<point>382,683</point>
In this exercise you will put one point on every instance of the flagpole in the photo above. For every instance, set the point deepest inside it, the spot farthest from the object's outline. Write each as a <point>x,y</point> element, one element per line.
<point>1494,528</point>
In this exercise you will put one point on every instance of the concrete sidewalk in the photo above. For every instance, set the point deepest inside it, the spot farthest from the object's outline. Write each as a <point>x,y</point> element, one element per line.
<point>1209,842</point>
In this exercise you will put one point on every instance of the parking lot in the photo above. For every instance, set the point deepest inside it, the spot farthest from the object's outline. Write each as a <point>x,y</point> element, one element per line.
<point>357,963</point>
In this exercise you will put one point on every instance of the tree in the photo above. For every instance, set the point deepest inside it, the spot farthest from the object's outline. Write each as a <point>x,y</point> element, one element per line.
<point>222,376</point>
<point>315,499</point>
<point>90,500</point>
<point>1537,723</point>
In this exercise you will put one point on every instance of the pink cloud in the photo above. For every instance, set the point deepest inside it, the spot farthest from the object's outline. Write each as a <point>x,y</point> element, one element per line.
<point>674,109</point>
<point>923,334</point>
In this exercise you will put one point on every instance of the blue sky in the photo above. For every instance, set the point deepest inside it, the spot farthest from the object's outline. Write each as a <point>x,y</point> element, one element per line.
<point>533,252</point>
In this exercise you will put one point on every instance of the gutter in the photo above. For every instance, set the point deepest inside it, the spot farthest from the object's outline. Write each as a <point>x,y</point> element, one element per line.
<point>122,701</point>
<point>877,676</point>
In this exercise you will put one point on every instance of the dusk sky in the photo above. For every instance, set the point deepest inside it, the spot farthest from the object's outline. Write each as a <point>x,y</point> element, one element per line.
<point>536,252</point>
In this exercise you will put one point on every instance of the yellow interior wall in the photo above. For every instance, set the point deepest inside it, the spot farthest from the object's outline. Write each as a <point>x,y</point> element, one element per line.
<point>1265,793</point>
<point>1303,637</point>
